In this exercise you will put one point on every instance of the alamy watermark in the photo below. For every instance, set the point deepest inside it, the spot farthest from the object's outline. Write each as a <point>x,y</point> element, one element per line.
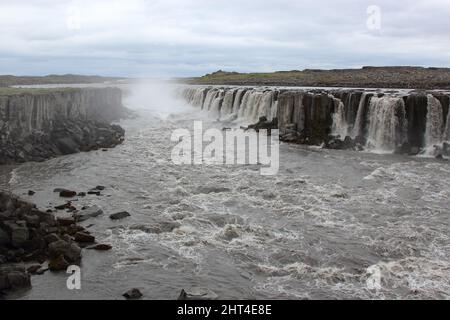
<point>74,280</point>
<point>73,20</point>
<point>373,22</point>
<point>227,147</point>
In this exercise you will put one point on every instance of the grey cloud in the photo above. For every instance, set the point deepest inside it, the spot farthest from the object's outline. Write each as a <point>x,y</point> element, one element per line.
<point>179,37</point>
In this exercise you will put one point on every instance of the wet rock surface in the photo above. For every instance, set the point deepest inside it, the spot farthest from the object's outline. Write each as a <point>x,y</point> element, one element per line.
<point>197,294</point>
<point>30,235</point>
<point>133,294</point>
<point>120,215</point>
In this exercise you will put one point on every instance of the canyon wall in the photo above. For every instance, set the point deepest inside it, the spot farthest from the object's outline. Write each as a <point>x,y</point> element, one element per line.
<point>38,124</point>
<point>384,121</point>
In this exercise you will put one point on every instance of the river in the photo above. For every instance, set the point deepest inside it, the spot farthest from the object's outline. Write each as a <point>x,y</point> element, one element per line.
<point>323,228</point>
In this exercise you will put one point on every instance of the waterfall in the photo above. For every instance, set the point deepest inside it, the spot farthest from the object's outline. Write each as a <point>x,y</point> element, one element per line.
<point>227,104</point>
<point>215,109</point>
<point>274,110</point>
<point>245,101</point>
<point>340,126</point>
<point>358,127</point>
<point>238,100</point>
<point>210,96</point>
<point>435,122</point>
<point>198,97</point>
<point>387,123</point>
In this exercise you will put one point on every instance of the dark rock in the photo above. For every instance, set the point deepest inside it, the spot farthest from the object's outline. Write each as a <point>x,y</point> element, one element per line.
<point>14,278</point>
<point>84,237</point>
<point>100,247</point>
<point>87,213</point>
<point>81,194</point>
<point>405,148</point>
<point>32,221</point>
<point>133,294</point>
<point>101,188</point>
<point>67,193</point>
<point>31,193</point>
<point>4,237</point>
<point>66,206</point>
<point>58,264</point>
<point>197,294</point>
<point>52,237</point>
<point>34,269</point>
<point>67,145</point>
<point>65,222</point>
<point>19,233</point>
<point>68,250</point>
<point>94,192</point>
<point>263,123</point>
<point>119,215</point>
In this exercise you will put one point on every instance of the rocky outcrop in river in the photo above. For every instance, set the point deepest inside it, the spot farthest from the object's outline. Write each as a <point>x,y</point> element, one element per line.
<point>39,124</point>
<point>388,121</point>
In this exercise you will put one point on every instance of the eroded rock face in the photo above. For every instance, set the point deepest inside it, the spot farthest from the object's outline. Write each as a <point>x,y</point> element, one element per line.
<point>38,126</point>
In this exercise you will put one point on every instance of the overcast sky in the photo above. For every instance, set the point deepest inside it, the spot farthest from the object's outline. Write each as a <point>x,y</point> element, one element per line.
<point>193,37</point>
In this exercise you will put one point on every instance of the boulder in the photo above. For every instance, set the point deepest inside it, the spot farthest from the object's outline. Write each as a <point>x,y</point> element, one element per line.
<point>34,269</point>
<point>133,294</point>
<point>197,294</point>
<point>67,145</point>
<point>69,250</point>
<point>52,237</point>
<point>119,215</point>
<point>100,247</point>
<point>67,193</point>
<point>65,222</point>
<point>65,206</point>
<point>4,237</point>
<point>14,278</point>
<point>58,264</point>
<point>33,221</point>
<point>87,213</point>
<point>84,237</point>
<point>19,233</point>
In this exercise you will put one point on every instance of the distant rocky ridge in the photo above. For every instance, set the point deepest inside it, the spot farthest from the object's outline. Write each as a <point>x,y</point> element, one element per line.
<point>9,80</point>
<point>37,124</point>
<point>367,77</point>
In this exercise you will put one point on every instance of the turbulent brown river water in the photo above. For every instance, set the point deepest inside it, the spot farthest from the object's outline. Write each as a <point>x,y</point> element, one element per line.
<point>316,230</point>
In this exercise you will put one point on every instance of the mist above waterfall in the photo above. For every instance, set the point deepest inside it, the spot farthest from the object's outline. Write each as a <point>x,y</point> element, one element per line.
<point>159,97</point>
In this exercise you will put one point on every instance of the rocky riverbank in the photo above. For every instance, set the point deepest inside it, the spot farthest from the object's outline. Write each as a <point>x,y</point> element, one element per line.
<point>35,238</point>
<point>37,124</point>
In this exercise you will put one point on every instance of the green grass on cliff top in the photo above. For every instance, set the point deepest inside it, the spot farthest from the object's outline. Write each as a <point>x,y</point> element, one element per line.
<point>19,91</point>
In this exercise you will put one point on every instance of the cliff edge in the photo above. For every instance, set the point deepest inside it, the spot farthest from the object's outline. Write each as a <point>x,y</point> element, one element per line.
<point>37,124</point>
